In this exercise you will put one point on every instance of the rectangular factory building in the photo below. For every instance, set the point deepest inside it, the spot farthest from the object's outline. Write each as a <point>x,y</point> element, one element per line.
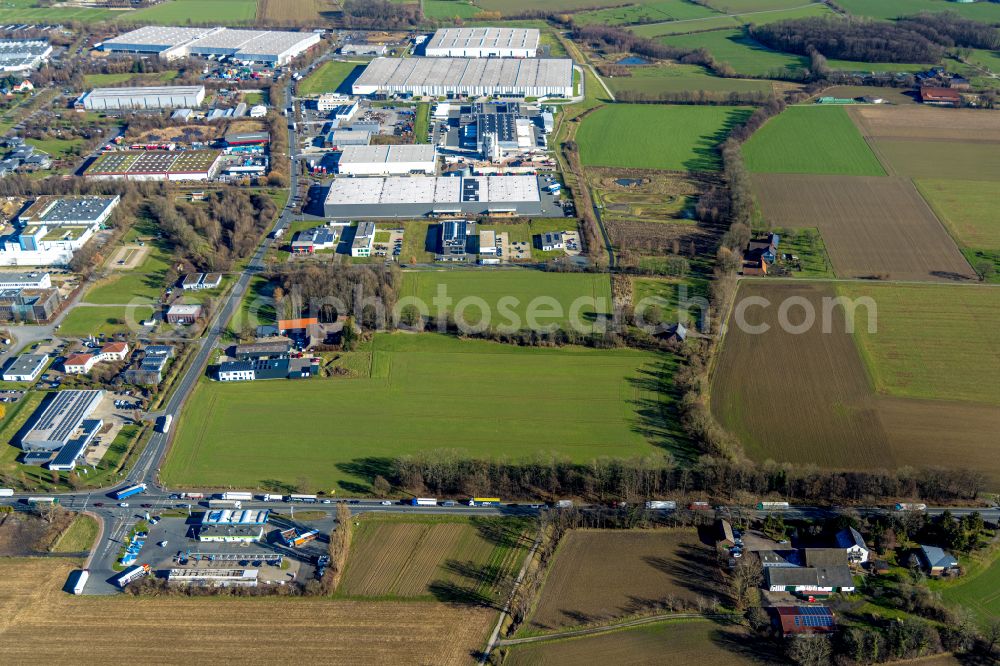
<point>21,55</point>
<point>57,423</point>
<point>467,77</point>
<point>270,47</point>
<point>387,160</point>
<point>484,43</point>
<point>155,165</point>
<point>147,97</point>
<point>401,197</point>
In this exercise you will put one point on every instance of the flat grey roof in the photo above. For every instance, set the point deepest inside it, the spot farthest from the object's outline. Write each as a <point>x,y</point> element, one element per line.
<point>467,72</point>
<point>380,154</point>
<point>156,35</point>
<point>63,415</point>
<point>155,91</point>
<point>26,364</point>
<point>32,277</point>
<point>209,41</point>
<point>457,38</point>
<point>69,209</point>
<point>442,189</point>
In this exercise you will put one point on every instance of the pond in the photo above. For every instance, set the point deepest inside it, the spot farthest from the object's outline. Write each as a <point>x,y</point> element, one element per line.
<point>629,182</point>
<point>634,60</point>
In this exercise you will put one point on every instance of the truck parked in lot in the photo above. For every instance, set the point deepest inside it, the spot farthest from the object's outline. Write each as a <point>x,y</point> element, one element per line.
<point>423,501</point>
<point>131,574</point>
<point>293,538</point>
<point>661,505</point>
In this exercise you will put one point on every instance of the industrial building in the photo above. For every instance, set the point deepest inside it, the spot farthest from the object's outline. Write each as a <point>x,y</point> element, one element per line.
<point>267,368</point>
<point>60,420</point>
<point>484,43</point>
<point>183,313</point>
<point>21,55</point>
<point>331,101</point>
<point>364,239</point>
<point>441,196</point>
<point>244,533</point>
<point>346,137</point>
<point>25,368</point>
<point>53,228</point>
<point>454,241</point>
<point>33,280</point>
<point>213,577</point>
<point>387,160</point>
<point>236,517</point>
<point>28,305</point>
<point>146,97</point>
<point>156,165</point>
<point>467,77</point>
<point>270,47</point>
<point>309,241</point>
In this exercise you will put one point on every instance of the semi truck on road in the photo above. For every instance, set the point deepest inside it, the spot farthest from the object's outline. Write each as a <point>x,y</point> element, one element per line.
<point>661,505</point>
<point>6,492</point>
<point>243,497</point>
<point>125,493</point>
<point>272,498</point>
<point>911,506</point>
<point>423,501</point>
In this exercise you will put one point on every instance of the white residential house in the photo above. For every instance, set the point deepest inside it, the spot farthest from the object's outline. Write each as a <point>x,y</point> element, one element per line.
<point>113,351</point>
<point>852,541</point>
<point>79,364</point>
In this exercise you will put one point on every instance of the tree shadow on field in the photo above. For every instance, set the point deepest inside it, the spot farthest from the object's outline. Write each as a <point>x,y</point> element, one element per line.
<point>659,419</point>
<point>502,532</point>
<point>746,645</point>
<point>277,485</point>
<point>364,468</point>
<point>490,574</point>
<point>706,149</point>
<point>693,569</point>
<point>449,592</point>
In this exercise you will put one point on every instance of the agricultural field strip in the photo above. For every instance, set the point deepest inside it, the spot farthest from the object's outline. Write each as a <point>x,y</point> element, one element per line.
<point>871,225</point>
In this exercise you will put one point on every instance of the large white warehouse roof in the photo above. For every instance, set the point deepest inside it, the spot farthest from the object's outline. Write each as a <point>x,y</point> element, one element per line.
<point>399,153</point>
<point>467,76</point>
<point>484,42</point>
<point>256,45</point>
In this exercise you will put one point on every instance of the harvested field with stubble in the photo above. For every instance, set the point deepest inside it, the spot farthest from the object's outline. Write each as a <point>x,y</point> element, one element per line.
<point>182,631</point>
<point>872,226</point>
<point>926,122</point>
<point>808,398</point>
<point>432,557</point>
<point>960,160</point>
<point>681,643</point>
<point>598,575</point>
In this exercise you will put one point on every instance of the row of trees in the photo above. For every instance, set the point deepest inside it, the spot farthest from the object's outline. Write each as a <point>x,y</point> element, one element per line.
<point>380,14</point>
<point>328,291</point>
<point>850,39</point>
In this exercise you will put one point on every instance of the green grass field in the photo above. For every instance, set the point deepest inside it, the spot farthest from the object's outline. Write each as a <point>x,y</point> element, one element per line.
<point>680,138</point>
<point>932,341</point>
<point>78,537</point>
<point>649,12</point>
<point>987,12</point>
<point>668,78</point>
<point>667,294</point>
<point>58,148</point>
<point>744,6</point>
<point>421,392</point>
<point>181,12</point>
<point>988,59</point>
<point>979,592</point>
<point>143,284</point>
<point>491,288</point>
<point>747,57</point>
<point>28,11</point>
<point>86,320</point>
<point>820,140</point>
<point>967,207</point>
<point>447,9</point>
<point>326,78</point>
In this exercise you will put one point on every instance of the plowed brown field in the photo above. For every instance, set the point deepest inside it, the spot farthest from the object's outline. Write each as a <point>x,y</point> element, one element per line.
<point>808,398</point>
<point>925,122</point>
<point>603,574</point>
<point>872,226</point>
<point>183,631</point>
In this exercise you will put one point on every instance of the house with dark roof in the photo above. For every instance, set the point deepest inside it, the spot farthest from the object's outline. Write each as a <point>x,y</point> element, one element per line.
<point>824,557</point>
<point>760,255</point>
<point>724,534</point>
<point>936,561</point>
<point>791,620</point>
<point>809,580</point>
<point>851,541</point>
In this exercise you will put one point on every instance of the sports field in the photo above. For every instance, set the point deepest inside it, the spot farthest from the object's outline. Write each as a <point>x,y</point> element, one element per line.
<point>820,140</point>
<point>144,283</point>
<point>683,643</point>
<point>598,575</point>
<point>433,557</point>
<point>84,320</point>
<point>508,295</point>
<point>419,393</point>
<point>810,399</point>
<point>327,78</point>
<point>872,226</point>
<point>641,136</point>
<point>747,57</point>
<point>322,630</point>
<point>969,209</point>
<point>182,12</point>
<point>657,79</point>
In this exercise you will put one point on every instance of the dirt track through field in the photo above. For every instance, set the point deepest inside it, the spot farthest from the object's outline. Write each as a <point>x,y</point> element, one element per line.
<point>872,226</point>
